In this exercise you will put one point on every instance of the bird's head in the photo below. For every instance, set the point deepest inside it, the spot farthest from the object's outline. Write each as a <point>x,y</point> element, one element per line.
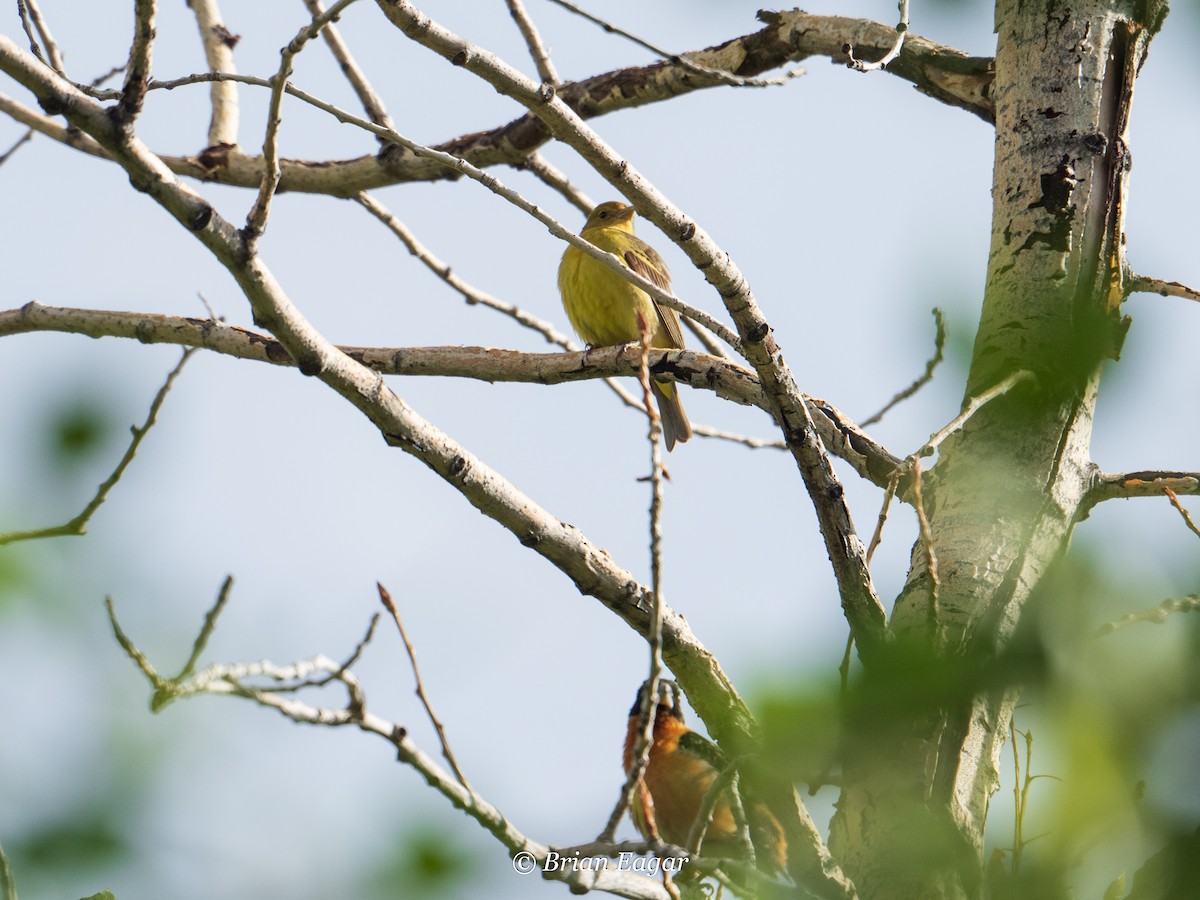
<point>669,702</point>
<point>613,214</point>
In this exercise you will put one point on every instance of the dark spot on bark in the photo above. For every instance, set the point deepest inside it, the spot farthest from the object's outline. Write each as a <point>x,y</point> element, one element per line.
<point>275,352</point>
<point>1056,188</point>
<point>200,218</point>
<point>688,231</point>
<point>226,37</point>
<point>1050,112</point>
<point>1095,143</point>
<point>835,492</point>
<point>459,59</point>
<point>457,465</point>
<point>310,365</point>
<point>53,106</point>
<point>759,333</point>
<point>214,157</point>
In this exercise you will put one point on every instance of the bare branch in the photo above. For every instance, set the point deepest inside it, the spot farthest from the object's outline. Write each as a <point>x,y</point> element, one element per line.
<point>137,70</point>
<point>279,692</point>
<point>1141,484</point>
<point>942,72</point>
<point>592,571</point>
<point>218,44</point>
<point>18,112</point>
<point>728,380</point>
<point>533,40</point>
<point>1138,284</point>
<point>846,551</point>
<point>939,346</point>
<point>1157,614</point>
<point>390,606</point>
<point>893,51</point>
<point>78,525</point>
<point>372,103</point>
<point>722,75</point>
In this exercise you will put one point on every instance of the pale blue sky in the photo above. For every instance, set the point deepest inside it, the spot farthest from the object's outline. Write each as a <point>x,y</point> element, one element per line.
<point>853,205</point>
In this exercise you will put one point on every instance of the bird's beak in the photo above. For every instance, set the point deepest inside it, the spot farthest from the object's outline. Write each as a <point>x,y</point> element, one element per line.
<point>625,215</point>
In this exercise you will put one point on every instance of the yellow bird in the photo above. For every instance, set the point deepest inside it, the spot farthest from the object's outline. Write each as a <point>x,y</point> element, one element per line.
<point>605,309</point>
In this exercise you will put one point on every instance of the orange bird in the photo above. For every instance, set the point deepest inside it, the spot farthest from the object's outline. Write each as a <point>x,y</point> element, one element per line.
<point>682,767</point>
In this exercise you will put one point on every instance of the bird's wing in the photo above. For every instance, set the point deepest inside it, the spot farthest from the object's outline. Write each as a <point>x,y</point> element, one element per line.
<point>644,260</point>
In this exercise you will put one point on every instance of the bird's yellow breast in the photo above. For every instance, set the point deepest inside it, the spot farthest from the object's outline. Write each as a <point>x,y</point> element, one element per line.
<point>603,307</point>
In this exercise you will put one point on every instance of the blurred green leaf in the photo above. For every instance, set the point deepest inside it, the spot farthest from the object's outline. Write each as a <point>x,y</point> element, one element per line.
<point>78,429</point>
<point>85,841</point>
<point>428,863</point>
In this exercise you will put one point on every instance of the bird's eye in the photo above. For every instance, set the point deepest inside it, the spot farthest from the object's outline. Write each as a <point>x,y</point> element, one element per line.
<point>604,215</point>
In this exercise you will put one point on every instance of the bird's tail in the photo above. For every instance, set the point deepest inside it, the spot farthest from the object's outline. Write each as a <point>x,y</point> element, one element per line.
<point>675,425</point>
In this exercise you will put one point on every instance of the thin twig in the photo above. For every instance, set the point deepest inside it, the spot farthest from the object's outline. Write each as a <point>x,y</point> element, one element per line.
<point>973,406</point>
<point>707,338</point>
<point>39,22</point>
<point>1183,512</point>
<point>876,539</point>
<point>931,564</point>
<point>708,804</point>
<point>78,525</point>
<point>844,671</point>
<point>1157,614</point>
<point>138,657</point>
<point>21,141</point>
<point>877,536</point>
<point>111,73</point>
<point>280,694</point>
<point>543,169</point>
<point>445,272</point>
<point>372,103</point>
<point>533,40</point>
<point>649,708</point>
<point>472,294</point>
<point>722,75</point>
<point>256,221</point>
<point>939,345</point>
<point>386,598</point>
<point>741,823</point>
<point>206,630</point>
<point>745,440</point>
<point>1139,284</point>
<point>901,31</point>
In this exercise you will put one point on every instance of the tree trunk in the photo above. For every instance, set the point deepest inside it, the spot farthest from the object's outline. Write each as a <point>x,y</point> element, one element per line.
<point>1009,486</point>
